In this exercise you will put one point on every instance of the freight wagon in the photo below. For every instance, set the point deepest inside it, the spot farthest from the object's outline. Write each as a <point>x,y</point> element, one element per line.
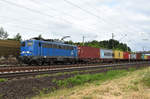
<point>138,56</point>
<point>145,57</point>
<point>118,55</point>
<point>126,55</point>
<point>142,57</point>
<point>88,54</point>
<point>9,48</point>
<point>106,55</point>
<point>133,57</point>
<point>148,57</point>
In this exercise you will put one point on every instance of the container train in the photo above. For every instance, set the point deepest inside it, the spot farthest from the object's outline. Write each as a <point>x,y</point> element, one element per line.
<point>47,52</point>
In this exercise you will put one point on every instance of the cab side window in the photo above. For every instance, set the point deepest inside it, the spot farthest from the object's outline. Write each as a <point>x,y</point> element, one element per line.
<point>23,44</point>
<point>39,44</point>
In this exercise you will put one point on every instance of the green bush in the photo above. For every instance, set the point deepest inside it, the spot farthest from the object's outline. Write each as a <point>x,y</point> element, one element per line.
<point>132,69</point>
<point>3,79</point>
<point>81,79</point>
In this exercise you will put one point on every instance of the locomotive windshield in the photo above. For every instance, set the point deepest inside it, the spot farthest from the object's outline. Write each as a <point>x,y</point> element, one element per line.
<point>30,43</point>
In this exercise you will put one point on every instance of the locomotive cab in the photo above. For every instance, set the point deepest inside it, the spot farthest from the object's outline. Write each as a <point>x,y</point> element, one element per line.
<point>27,48</point>
<point>26,51</point>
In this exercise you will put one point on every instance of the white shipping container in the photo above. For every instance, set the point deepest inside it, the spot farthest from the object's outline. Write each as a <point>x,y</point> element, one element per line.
<point>132,56</point>
<point>105,53</point>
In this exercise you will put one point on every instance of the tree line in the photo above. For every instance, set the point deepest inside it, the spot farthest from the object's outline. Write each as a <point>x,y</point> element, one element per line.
<point>4,35</point>
<point>106,44</point>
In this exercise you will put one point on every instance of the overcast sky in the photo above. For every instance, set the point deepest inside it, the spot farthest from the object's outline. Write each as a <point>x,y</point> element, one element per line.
<point>129,20</point>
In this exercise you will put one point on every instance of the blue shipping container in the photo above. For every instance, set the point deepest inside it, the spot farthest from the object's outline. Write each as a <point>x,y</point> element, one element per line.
<point>142,56</point>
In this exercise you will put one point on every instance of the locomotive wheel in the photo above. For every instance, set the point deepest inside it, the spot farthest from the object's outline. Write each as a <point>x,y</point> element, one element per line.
<point>51,63</point>
<point>31,63</point>
<point>40,63</point>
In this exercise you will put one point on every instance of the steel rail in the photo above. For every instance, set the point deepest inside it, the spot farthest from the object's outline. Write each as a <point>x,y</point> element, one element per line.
<point>43,68</point>
<point>70,69</point>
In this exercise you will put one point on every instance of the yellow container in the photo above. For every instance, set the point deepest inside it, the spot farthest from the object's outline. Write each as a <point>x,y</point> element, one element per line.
<point>118,54</point>
<point>145,57</point>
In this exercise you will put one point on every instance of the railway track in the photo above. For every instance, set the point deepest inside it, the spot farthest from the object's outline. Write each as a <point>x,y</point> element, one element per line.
<point>25,68</point>
<point>32,71</point>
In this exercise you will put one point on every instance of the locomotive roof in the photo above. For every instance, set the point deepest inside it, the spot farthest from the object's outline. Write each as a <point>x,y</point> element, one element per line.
<point>51,42</point>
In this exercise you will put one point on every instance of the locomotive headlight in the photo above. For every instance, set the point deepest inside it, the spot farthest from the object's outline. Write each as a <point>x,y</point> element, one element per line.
<point>27,52</point>
<point>23,52</point>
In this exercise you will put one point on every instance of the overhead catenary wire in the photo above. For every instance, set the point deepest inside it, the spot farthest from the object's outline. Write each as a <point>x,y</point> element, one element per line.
<point>84,10</point>
<point>23,26</point>
<point>36,11</point>
<point>19,20</point>
<point>66,14</point>
<point>23,7</point>
<point>29,9</point>
<point>99,11</point>
<point>41,13</point>
<point>91,13</point>
<point>53,9</point>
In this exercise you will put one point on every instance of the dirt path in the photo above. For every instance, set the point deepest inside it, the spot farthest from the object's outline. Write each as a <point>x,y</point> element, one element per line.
<point>127,87</point>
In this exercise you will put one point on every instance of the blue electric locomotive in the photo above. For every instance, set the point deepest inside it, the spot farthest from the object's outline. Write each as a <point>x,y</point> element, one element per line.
<point>47,52</point>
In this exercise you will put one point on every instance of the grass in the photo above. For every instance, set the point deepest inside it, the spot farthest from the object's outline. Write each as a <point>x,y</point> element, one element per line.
<point>3,80</point>
<point>43,75</point>
<point>133,87</point>
<point>132,69</point>
<point>57,74</point>
<point>119,83</point>
<point>146,79</point>
<point>87,97</point>
<point>64,73</point>
<point>81,79</point>
<point>1,96</point>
